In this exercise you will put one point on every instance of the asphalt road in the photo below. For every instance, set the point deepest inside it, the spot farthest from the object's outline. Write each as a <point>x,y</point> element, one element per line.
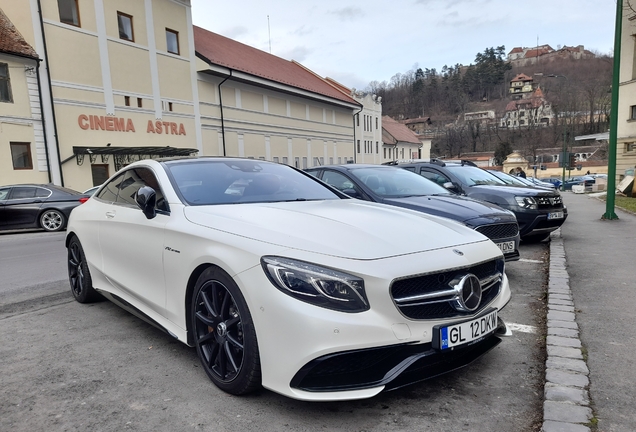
<point>67,366</point>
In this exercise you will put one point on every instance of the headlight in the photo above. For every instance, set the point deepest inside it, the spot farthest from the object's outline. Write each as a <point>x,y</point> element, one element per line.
<point>527,202</point>
<point>320,286</point>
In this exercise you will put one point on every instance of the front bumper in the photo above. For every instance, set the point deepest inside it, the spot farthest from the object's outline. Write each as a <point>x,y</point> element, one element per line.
<point>301,345</point>
<point>388,367</point>
<point>536,221</point>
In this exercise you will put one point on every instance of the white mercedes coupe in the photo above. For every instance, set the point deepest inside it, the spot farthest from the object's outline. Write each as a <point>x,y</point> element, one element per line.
<point>281,281</point>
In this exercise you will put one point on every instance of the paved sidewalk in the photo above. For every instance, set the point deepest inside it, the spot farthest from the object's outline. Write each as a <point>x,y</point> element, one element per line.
<point>592,300</point>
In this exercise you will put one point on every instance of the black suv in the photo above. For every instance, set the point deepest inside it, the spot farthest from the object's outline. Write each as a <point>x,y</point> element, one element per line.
<point>538,211</point>
<point>393,186</point>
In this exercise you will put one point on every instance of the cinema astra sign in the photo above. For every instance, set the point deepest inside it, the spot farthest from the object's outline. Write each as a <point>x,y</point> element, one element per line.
<point>120,124</point>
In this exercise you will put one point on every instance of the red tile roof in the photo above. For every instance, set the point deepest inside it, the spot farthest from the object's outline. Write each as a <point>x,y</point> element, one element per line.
<point>398,131</point>
<point>339,86</point>
<point>11,41</point>
<point>219,50</point>
<point>516,50</point>
<point>521,77</point>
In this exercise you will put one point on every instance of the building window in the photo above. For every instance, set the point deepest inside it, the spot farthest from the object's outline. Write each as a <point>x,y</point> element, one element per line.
<point>172,41</point>
<point>99,173</point>
<point>21,156</point>
<point>376,123</point>
<point>632,112</point>
<point>140,102</point>
<point>630,147</point>
<point>358,146</point>
<point>377,148</point>
<point>127,100</point>
<point>385,153</point>
<point>5,84</point>
<point>68,12</point>
<point>125,23</point>
<point>358,121</point>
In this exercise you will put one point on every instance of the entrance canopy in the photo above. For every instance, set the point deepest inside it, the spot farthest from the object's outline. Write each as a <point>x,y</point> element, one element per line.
<point>123,156</point>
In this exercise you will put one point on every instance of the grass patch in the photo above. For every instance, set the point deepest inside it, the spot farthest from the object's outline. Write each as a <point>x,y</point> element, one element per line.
<point>626,203</point>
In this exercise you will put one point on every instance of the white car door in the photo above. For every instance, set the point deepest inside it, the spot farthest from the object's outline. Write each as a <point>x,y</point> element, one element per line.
<point>132,245</point>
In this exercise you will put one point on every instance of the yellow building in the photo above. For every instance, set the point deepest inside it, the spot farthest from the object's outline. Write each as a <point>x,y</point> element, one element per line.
<point>122,80</point>
<point>626,132</point>
<point>23,150</point>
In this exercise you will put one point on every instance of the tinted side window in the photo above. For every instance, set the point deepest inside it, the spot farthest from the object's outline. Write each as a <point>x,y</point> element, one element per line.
<point>337,180</point>
<point>4,193</point>
<point>42,193</point>
<point>110,191</point>
<point>134,180</point>
<point>23,192</point>
<point>436,177</point>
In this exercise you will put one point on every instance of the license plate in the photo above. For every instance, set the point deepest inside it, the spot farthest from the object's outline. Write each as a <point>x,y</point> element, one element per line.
<point>555,215</point>
<point>506,246</point>
<point>467,332</point>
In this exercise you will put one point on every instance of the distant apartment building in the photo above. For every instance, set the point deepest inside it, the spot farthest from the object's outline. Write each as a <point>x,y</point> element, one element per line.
<point>483,117</point>
<point>125,80</point>
<point>531,112</point>
<point>521,87</point>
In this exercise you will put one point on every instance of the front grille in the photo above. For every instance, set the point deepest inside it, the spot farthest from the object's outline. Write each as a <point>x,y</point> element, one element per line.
<point>431,297</point>
<point>550,202</point>
<point>499,231</point>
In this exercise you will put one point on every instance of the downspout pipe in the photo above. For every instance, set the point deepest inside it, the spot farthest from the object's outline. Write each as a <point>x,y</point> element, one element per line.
<point>42,119</point>
<point>221,106</point>
<point>48,74</point>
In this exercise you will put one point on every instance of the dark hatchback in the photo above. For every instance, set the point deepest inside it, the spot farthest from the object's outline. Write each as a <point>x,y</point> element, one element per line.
<point>393,186</point>
<point>538,211</point>
<point>37,206</point>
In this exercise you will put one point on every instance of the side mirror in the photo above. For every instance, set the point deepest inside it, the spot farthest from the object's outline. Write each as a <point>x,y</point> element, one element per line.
<point>146,199</point>
<point>351,192</point>
<point>450,186</point>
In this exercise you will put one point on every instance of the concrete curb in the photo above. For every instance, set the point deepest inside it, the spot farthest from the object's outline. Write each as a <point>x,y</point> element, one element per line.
<point>566,397</point>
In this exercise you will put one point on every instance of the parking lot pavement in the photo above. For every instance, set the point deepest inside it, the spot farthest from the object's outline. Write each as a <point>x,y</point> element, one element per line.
<point>68,366</point>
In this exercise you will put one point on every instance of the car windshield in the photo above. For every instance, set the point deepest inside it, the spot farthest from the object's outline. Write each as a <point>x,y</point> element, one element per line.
<point>472,176</point>
<point>209,182</point>
<point>397,182</point>
<point>509,179</point>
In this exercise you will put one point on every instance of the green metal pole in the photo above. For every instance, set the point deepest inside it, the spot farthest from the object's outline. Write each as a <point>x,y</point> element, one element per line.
<point>611,162</point>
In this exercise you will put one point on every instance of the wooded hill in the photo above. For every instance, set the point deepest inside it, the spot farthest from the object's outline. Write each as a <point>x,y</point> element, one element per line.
<point>578,91</point>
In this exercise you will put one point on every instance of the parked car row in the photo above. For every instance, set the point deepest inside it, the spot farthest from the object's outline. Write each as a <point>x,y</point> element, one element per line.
<point>538,211</point>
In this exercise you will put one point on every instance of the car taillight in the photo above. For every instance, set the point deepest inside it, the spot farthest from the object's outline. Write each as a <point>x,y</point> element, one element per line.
<point>83,200</point>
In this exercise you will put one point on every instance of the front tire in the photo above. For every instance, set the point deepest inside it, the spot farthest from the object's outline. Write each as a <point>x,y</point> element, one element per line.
<point>78,274</point>
<point>52,220</point>
<point>224,333</point>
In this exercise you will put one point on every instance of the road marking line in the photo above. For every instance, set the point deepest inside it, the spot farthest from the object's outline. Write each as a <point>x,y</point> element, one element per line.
<point>521,328</point>
<point>531,261</point>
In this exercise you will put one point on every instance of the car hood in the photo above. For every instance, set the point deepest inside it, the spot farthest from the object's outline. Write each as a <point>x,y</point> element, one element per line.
<point>462,209</point>
<point>344,228</point>
<point>513,190</point>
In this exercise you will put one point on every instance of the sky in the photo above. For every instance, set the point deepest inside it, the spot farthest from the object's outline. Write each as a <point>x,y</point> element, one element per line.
<point>357,42</point>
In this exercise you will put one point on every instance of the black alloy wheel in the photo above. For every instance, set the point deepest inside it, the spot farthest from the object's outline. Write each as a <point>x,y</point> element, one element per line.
<point>78,274</point>
<point>224,334</point>
<point>52,220</point>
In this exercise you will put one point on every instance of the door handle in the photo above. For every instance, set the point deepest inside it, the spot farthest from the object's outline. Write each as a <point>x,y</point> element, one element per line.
<point>110,215</point>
